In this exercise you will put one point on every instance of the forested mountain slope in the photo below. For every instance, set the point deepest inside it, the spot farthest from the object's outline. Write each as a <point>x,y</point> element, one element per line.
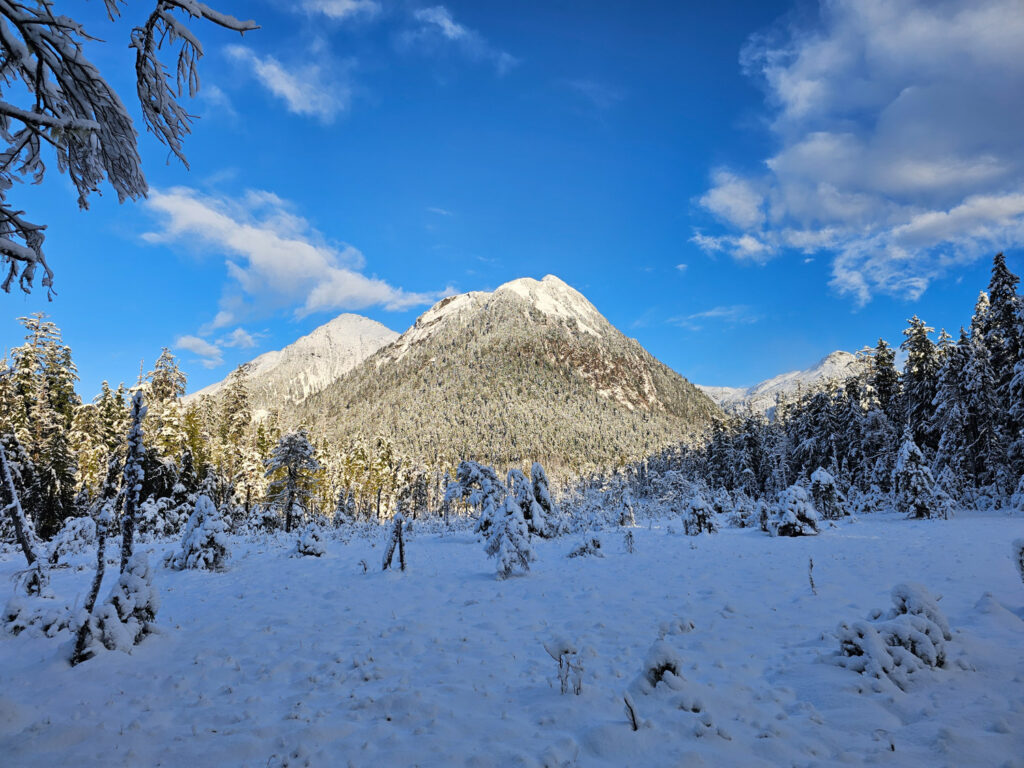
<point>529,372</point>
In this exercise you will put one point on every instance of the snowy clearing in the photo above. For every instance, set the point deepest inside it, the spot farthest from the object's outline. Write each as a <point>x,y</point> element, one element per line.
<point>286,660</point>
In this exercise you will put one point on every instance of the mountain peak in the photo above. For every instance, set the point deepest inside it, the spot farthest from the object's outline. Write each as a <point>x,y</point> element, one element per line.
<point>554,297</point>
<point>760,398</point>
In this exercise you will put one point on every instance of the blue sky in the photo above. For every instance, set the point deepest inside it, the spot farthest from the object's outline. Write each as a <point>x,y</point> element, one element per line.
<point>744,187</point>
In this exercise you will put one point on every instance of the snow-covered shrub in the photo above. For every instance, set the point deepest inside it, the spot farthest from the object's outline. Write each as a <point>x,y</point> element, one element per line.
<point>916,492</point>
<point>591,547</point>
<point>794,515</point>
<point>698,516</point>
<point>570,666</point>
<point>76,537</point>
<point>827,497</point>
<point>628,542</point>
<point>508,540</point>
<point>521,490</point>
<point>158,517</point>
<point>1017,499</point>
<point>895,645</point>
<point>662,666</point>
<point>204,543</point>
<point>722,503</point>
<point>128,614</point>
<point>1018,557</point>
<point>34,605</point>
<point>310,544</point>
<point>744,512</point>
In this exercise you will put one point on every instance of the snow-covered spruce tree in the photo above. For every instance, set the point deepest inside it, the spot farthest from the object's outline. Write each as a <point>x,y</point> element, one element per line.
<point>521,490</point>
<point>292,469</point>
<point>126,617</point>
<point>828,499</point>
<point>794,514</point>
<point>477,485</point>
<point>508,539</point>
<point>204,544</point>
<point>555,522</point>
<point>134,475</point>
<point>67,104</point>
<point>698,516</point>
<point>914,486</point>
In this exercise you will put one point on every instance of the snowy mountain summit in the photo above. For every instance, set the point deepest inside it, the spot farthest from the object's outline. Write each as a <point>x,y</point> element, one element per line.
<point>761,398</point>
<point>286,377</point>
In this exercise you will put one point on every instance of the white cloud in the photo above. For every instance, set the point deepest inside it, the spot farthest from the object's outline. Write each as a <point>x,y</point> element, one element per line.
<point>898,150</point>
<point>734,314</point>
<point>210,355</point>
<point>682,267</point>
<point>435,25</point>
<point>312,90</point>
<point>342,9</point>
<point>439,211</point>
<point>240,338</point>
<point>274,257</point>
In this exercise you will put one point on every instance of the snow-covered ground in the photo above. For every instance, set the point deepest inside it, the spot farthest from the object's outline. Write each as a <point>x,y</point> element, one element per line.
<point>306,661</point>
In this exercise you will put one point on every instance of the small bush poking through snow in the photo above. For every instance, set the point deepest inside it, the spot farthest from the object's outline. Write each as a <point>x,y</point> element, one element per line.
<point>570,667</point>
<point>310,544</point>
<point>662,666</point>
<point>795,514</point>
<point>896,645</point>
<point>699,516</point>
<point>1018,557</point>
<point>204,544</point>
<point>589,548</point>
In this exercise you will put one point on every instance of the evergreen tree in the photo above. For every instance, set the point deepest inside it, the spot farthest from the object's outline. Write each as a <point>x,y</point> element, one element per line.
<point>292,468</point>
<point>133,477</point>
<point>508,540</point>
<point>920,380</point>
<point>913,482</point>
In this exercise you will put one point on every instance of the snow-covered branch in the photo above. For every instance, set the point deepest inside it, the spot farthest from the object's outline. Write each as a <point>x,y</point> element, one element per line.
<point>74,109</point>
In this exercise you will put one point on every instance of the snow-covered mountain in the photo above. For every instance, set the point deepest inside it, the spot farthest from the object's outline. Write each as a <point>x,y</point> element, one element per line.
<point>283,378</point>
<point>761,398</point>
<point>529,371</point>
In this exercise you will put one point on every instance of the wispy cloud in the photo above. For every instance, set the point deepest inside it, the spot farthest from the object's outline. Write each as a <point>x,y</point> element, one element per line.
<point>734,314</point>
<point>210,355</point>
<point>342,10</point>
<point>682,267</point>
<point>435,27</point>
<point>899,153</point>
<point>320,90</point>
<point>274,257</point>
<point>600,95</point>
<point>439,211</point>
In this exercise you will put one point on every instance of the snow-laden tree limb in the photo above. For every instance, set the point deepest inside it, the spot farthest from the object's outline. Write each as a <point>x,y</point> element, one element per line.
<point>72,108</point>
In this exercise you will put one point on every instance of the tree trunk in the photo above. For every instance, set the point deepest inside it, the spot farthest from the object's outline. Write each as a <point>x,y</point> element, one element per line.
<point>21,529</point>
<point>90,603</point>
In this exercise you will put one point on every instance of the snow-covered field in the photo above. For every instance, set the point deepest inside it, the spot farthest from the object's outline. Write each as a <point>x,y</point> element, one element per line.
<point>305,661</point>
